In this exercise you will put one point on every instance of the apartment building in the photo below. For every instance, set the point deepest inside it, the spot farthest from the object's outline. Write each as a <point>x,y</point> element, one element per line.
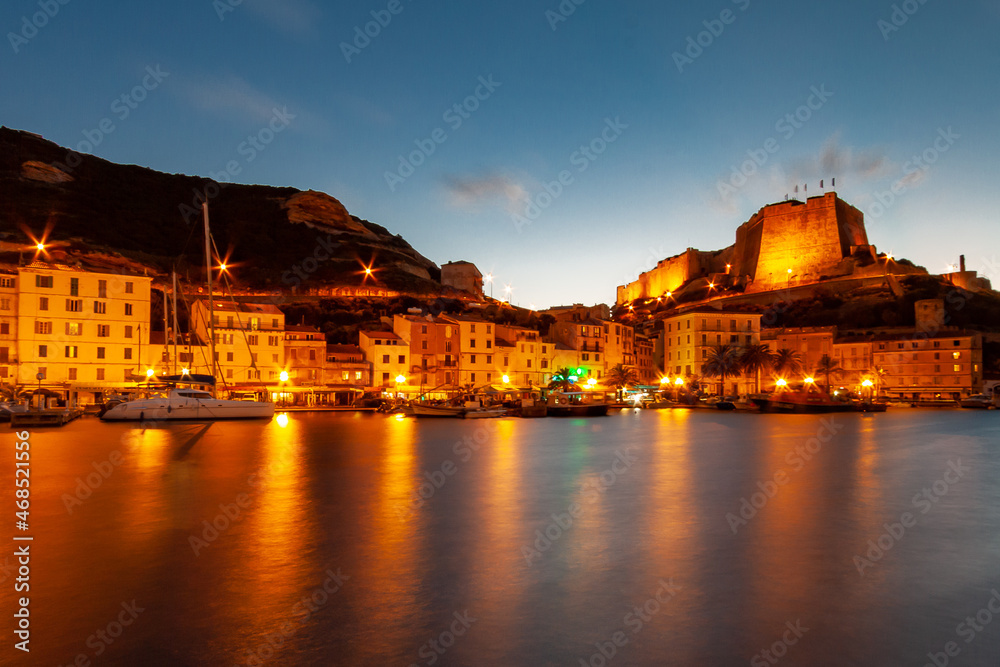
<point>77,329</point>
<point>689,337</point>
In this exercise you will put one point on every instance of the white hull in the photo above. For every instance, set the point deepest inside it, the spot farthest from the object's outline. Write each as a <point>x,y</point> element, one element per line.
<point>179,405</point>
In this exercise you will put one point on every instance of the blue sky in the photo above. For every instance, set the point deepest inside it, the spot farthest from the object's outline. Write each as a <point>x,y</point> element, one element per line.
<point>641,137</point>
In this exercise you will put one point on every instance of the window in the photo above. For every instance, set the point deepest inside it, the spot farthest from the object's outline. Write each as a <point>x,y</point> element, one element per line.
<point>46,281</point>
<point>312,356</point>
<point>958,368</point>
<point>937,355</point>
<point>253,339</point>
<point>4,304</point>
<point>357,375</point>
<point>473,329</point>
<point>102,289</point>
<point>275,324</point>
<point>229,356</point>
<point>385,377</point>
<point>272,341</point>
<point>956,343</point>
<point>99,307</point>
<point>128,330</point>
<point>472,359</point>
<point>43,351</point>
<point>489,359</point>
<point>254,324</point>
<point>128,287</point>
<point>385,358</point>
<point>489,376</point>
<point>4,355</point>
<point>489,328</point>
<point>229,373</point>
<point>597,357</point>
<point>586,357</point>
<point>6,282</point>
<point>956,355</point>
<point>100,353</point>
<point>274,358</point>
<point>43,327</point>
<point>402,358</point>
<point>72,352</point>
<point>128,309</point>
<point>423,329</point>
<point>103,330</point>
<point>489,344</point>
<point>74,328</point>
<point>545,363</point>
<point>473,376</point>
<point>128,353</point>
<point>43,303</point>
<point>100,374</point>
<point>423,344</point>
<point>75,306</point>
<point>447,346</point>
<point>472,342</point>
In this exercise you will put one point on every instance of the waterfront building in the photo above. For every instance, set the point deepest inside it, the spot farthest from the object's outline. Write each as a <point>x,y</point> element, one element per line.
<point>434,352</point>
<point>945,364</point>
<point>476,339</point>
<point>249,344</point>
<point>689,338</point>
<point>389,357</point>
<point>646,368</point>
<point>811,344</point>
<point>8,324</point>
<point>523,357</point>
<point>305,363</point>
<point>77,330</point>
<point>346,373</point>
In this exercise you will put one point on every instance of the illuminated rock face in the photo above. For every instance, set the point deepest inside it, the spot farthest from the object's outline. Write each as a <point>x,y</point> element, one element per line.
<point>816,239</point>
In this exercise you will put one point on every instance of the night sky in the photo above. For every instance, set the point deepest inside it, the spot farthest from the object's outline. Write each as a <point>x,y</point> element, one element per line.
<point>564,147</point>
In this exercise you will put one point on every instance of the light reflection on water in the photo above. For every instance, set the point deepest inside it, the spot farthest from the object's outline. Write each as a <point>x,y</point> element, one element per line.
<point>549,532</point>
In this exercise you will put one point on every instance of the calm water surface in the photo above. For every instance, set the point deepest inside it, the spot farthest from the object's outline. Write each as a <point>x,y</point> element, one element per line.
<point>372,540</point>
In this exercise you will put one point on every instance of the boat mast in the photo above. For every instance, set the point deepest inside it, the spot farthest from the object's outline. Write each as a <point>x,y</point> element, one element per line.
<point>166,330</point>
<point>174,274</point>
<point>211,302</point>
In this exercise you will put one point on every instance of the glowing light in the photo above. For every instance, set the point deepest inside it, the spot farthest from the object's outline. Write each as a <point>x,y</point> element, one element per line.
<point>679,382</point>
<point>400,379</point>
<point>40,246</point>
<point>665,380</point>
<point>284,376</point>
<point>781,383</point>
<point>368,270</point>
<point>222,267</point>
<point>669,294</point>
<point>506,379</point>
<point>488,277</point>
<point>150,372</point>
<point>185,371</point>
<point>711,286</point>
<point>592,383</point>
<point>889,257</point>
<point>282,420</point>
<point>400,417</point>
<point>810,380</point>
<point>868,383</point>
<point>789,272</point>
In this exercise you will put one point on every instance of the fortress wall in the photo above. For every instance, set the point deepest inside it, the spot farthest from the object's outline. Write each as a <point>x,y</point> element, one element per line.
<point>806,238</point>
<point>852,226</point>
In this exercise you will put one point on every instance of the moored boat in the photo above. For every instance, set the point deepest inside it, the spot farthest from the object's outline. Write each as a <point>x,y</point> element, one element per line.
<point>978,402</point>
<point>574,404</point>
<point>178,404</point>
<point>801,402</point>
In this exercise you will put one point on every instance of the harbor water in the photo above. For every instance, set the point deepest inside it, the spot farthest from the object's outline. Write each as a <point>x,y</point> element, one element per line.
<point>665,537</point>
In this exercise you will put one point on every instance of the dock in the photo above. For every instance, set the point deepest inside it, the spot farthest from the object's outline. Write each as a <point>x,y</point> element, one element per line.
<point>45,417</point>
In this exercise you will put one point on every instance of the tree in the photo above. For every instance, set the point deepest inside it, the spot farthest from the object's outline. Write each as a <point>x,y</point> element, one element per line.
<point>621,376</point>
<point>878,375</point>
<point>787,362</point>
<point>828,366</point>
<point>561,380</point>
<point>723,361</point>
<point>756,359</point>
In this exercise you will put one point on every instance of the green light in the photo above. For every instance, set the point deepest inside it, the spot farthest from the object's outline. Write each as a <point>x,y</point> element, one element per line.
<point>579,371</point>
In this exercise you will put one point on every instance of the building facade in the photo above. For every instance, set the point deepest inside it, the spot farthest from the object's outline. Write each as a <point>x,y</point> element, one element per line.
<point>690,337</point>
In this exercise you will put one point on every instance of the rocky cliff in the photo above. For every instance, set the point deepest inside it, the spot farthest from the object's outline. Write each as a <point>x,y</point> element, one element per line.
<point>281,237</point>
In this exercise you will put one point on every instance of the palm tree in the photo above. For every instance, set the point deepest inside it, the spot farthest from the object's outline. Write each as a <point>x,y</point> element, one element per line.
<point>828,366</point>
<point>723,361</point>
<point>621,376</point>
<point>756,359</point>
<point>13,392</point>
<point>787,362</point>
<point>560,380</point>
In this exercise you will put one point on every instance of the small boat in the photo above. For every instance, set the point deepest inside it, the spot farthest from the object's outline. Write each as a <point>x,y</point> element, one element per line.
<point>935,403</point>
<point>801,402</point>
<point>485,413</point>
<point>869,406</point>
<point>532,407</point>
<point>978,402</point>
<point>574,404</point>
<point>453,411</point>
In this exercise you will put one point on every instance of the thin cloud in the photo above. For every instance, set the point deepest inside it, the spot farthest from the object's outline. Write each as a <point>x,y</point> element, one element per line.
<point>294,17</point>
<point>835,160</point>
<point>478,192</point>
<point>230,95</point>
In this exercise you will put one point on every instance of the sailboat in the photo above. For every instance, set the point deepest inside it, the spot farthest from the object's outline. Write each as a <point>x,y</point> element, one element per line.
<point>187,396</point>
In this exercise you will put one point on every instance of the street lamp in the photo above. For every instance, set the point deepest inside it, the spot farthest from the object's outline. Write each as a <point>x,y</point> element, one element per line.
<point>506,379</point>
<point>678,383</point>
<point>868,384</point>
<point>283,377</point>
<point>781,383</point>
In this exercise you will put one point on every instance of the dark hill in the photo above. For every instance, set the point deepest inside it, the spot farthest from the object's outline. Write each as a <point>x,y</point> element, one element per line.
<point>155,218</point>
